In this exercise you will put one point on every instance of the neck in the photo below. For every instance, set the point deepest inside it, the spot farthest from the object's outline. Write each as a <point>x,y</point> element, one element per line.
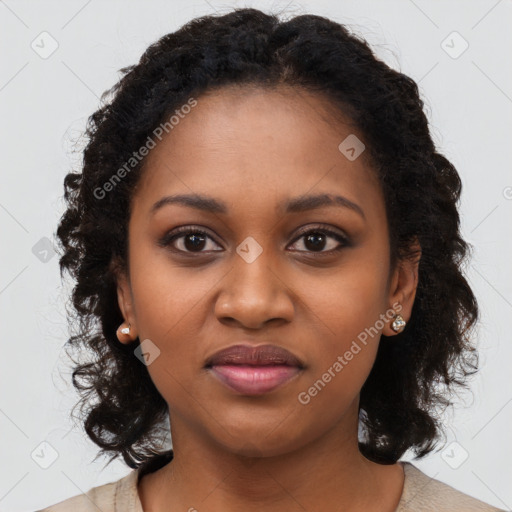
<point>328,473</point>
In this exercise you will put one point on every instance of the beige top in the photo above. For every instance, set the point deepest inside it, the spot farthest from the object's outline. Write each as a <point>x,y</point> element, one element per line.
<point>420,494</point>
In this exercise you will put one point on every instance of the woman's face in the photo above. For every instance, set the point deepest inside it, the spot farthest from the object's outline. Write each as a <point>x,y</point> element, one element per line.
<point>276,267</point>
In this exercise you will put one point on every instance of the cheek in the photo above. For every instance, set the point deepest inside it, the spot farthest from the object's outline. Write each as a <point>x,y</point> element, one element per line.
<point>351,299</point>
<point>169,306</point>
<point>165,292</point>
<point>346,314</point>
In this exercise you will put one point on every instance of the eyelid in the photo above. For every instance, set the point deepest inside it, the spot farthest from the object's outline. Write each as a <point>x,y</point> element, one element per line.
<point>321,227</point>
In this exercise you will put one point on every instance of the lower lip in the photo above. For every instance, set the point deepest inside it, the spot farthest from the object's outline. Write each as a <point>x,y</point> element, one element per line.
<point>254,380</point>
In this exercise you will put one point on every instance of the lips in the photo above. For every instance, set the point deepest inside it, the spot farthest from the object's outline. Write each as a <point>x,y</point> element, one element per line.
<point>250,370</point>
<point>263,355</point>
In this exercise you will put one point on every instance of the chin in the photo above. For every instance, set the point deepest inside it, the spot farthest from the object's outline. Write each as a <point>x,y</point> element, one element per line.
<point>255,440</point>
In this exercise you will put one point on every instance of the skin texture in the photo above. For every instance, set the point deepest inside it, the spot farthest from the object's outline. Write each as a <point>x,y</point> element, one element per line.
<point>252,149</point>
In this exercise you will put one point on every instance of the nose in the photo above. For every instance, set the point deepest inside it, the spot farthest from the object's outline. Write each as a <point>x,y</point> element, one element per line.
<point>254,293</point>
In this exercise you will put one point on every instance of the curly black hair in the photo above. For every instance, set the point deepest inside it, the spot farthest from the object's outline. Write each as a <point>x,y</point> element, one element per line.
<point>123,412</point>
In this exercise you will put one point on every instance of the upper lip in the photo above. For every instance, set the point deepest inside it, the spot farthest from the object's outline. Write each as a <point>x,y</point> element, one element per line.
<point>261,355</point>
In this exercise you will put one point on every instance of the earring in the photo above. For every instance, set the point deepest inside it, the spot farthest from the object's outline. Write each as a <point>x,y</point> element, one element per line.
<point>126,330</point>
<point>398,323</point>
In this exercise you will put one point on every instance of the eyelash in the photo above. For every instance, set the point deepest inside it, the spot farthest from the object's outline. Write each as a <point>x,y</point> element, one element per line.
<point>186,230</point>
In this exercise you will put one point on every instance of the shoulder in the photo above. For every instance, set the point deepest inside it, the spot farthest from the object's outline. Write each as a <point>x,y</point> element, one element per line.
<point>423,493</point>
<point>112,497</point>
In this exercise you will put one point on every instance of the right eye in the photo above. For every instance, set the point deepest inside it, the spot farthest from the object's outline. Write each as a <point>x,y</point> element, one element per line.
<point>187,239</point>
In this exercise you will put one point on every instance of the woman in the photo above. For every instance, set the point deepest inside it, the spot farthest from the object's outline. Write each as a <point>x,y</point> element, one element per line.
<point>267,254</point>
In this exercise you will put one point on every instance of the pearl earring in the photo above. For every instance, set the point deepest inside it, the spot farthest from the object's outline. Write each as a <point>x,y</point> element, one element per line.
<point>126,330</point>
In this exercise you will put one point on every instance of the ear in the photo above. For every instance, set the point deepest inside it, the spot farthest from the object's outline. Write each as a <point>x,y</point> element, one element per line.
<point>404,283</point>
<point>125,301</point>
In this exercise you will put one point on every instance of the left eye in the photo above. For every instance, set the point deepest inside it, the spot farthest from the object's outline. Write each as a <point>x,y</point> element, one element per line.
<point>316,240</point>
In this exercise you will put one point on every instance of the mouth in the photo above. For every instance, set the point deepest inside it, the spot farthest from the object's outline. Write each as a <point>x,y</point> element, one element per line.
<point>250,370</point>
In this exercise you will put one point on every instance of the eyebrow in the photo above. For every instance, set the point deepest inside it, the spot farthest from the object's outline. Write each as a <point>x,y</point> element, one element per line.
<point>295,205</point>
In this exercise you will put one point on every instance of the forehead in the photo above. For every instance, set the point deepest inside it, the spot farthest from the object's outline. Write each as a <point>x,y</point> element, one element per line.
<point>244,143</point>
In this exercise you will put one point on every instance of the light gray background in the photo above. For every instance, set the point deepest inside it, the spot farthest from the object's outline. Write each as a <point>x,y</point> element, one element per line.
<point>44,105</point>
